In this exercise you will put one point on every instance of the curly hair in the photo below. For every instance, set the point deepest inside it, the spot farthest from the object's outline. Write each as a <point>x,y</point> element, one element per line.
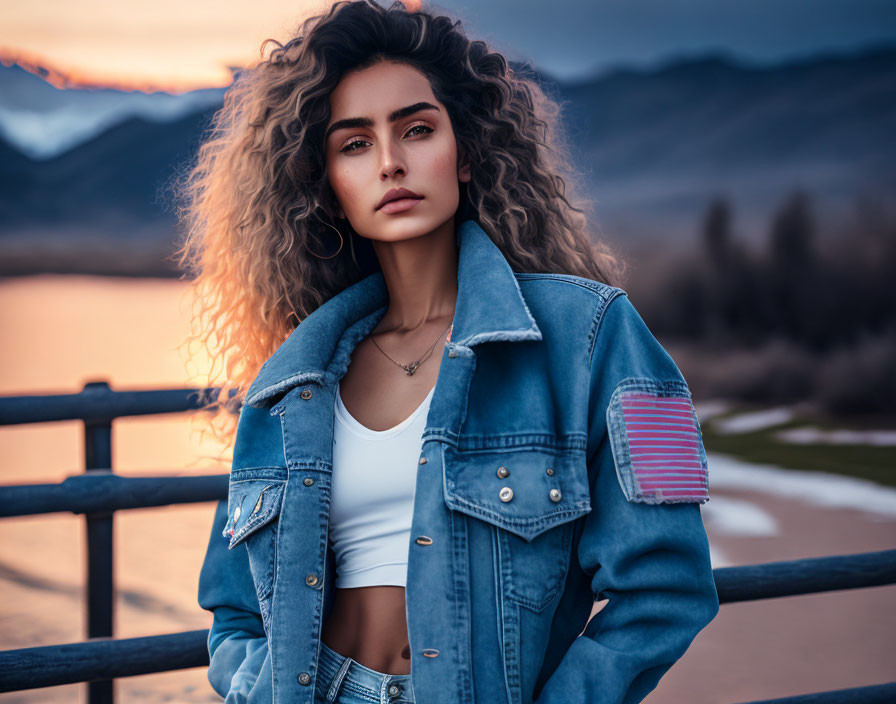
<point>258,201</point>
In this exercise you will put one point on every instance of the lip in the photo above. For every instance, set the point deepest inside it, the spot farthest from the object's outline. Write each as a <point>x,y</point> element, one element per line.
<point>400,205</point>
<point>397,194</point>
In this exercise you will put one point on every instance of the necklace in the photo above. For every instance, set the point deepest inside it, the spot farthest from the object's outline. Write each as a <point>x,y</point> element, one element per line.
<point>412,367</point>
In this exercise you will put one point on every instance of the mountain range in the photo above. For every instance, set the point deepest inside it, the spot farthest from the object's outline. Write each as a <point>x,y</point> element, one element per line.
<point>83,170</point>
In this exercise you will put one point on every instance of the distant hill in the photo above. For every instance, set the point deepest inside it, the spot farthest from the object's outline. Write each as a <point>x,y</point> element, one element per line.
<point>110,176</point>
<point>44,112</point>
<point>79,166</point>
<point>658,144</point>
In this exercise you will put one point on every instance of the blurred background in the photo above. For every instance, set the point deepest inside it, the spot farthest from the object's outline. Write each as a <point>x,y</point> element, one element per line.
<point>741,159</point>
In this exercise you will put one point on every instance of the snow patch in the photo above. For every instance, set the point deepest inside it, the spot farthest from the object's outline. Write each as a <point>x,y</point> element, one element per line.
<point>751,422</point>
<point>79,115</point>
<point>711,408</point>
<point>812,487</point>
<point>812,435</point>
<point>731,516</point>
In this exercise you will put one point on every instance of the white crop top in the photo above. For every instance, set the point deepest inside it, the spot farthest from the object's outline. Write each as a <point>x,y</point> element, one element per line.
<point>372,498</point>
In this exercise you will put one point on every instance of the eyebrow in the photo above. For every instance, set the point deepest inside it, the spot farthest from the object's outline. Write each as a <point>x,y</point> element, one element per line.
<point>394,116</point>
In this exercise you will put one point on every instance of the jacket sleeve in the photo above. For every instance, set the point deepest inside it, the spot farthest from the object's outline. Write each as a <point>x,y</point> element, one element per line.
<point>239,658</point>
<point>643,544</point>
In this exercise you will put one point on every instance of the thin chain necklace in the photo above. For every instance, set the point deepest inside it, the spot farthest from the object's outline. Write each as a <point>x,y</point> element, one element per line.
<point>412,367</point>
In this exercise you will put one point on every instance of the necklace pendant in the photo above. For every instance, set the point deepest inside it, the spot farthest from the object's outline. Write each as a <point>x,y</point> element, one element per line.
<point>410,368</point>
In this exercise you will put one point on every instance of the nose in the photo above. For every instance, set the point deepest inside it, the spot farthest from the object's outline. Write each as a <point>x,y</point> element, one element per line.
<point>392,160</point>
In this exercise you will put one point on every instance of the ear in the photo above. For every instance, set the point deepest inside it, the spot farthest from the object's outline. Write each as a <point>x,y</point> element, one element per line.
<point>463,171</point>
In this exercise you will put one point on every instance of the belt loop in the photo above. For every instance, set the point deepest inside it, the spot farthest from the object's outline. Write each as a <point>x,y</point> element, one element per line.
<point>337,680</point>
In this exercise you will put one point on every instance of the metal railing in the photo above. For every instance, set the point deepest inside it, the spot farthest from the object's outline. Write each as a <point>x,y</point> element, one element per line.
<point>98,493</point>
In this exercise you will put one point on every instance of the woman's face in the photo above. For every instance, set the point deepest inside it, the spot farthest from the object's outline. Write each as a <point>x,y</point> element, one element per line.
<point>397,135</point>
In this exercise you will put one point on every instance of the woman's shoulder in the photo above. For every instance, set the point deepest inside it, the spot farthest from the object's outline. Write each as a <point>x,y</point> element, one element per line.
<point>595,314</point>
<point>569,283</point>
<point>566,305</point>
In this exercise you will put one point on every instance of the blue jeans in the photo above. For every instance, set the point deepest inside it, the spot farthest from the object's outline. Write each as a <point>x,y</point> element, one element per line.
<point>342,680</point>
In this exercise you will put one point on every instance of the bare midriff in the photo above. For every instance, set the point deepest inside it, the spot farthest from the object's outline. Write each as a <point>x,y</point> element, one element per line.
<point>368,624</point>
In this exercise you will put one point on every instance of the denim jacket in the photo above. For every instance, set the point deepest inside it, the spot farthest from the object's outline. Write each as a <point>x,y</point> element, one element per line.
<point>562,463</point>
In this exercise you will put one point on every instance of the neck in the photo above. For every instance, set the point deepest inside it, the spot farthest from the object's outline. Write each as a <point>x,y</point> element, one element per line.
<point>420,274</point>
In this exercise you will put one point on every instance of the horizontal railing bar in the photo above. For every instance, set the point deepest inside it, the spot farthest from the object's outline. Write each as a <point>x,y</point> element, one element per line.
<point>872,694</point>
<point>110,658</point>
<point>100,491</point>
<point>103,491</point>
<point>101,659</point>
<point>807,576</point>
<point>99,403</point>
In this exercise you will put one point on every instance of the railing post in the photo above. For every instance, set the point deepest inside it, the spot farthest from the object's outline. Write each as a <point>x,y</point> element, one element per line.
<point>100,556</point>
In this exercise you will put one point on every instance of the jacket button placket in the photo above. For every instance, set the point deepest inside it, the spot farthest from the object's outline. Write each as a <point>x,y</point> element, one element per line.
<point>426,582</point>
<point>299,416</point>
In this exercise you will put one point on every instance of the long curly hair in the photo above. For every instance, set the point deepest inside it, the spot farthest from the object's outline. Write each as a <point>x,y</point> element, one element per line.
<point>258,210</point>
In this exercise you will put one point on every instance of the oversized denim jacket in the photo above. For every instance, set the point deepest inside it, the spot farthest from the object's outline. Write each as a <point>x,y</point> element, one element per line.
<point>535,496</point>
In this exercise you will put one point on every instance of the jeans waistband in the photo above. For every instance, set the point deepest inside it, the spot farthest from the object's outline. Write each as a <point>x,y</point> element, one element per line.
<point>338,673</point>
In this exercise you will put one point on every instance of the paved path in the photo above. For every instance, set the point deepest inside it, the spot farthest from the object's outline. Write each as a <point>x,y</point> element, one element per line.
<point>791,645</point>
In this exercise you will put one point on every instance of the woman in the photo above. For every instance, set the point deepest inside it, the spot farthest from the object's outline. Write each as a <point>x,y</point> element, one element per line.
<point>440,461</point>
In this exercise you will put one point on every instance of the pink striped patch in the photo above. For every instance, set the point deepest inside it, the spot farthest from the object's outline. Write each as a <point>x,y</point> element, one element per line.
<point>658,448</point>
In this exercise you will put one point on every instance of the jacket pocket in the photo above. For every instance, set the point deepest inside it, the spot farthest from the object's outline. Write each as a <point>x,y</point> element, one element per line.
<point>254,500</point>
<point>531,497</point>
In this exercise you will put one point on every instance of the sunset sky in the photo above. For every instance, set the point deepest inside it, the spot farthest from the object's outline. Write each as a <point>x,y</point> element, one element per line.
<point>165,42</point>
<point>182,44</point>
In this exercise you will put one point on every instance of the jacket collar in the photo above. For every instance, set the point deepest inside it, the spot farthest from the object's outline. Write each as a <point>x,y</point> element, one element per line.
<point>489,308</point>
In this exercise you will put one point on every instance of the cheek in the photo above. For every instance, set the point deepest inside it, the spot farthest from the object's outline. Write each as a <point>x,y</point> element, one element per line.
<point>342,183</point>
<point>443,165</point>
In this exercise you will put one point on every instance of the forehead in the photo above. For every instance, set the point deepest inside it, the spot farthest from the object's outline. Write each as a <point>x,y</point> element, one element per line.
<point>377,90</point>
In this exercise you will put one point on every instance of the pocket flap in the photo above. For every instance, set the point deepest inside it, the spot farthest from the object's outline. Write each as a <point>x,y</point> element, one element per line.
<point>536,490</point>
<point>251,504</point>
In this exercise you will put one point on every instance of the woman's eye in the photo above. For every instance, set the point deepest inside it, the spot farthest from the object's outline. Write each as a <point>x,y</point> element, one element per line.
<point>348,147</point>
<point>351,144</point>
<point>423,126</point>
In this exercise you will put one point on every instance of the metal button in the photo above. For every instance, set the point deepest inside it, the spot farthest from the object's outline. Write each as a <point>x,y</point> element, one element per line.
<point>452,353</point>
<point>306,394</point>
<point>423,460</point>
<point>430,652</point>
<point>503,472</point>
<point>424,540</point>
<point>311,579</point>
<point>555,495</point>
<point>307,481</point>
<point>550,472</point>
<point>304,678</point>
<point>394,690</point>
<point>506,493</point>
